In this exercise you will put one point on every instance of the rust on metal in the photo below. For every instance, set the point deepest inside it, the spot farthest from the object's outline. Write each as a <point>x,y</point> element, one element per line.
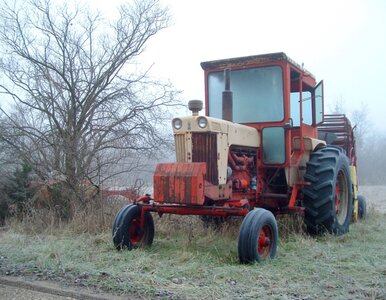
<point>227,97</point>
<point>181,183</point>
<point>219,211</point>
<point>205,150</point>
<point>336,130</point>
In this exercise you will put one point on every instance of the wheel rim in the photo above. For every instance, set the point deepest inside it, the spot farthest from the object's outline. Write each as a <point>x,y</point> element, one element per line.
<point>341,197</point>
<point>264,241</point>
<point>135,232</point>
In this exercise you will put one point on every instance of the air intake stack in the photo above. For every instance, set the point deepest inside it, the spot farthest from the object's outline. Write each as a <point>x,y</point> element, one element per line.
<point>227,98</point>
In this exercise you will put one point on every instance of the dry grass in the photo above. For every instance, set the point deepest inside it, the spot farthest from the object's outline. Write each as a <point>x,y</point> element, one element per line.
<point>376,196</point>
<point>93,218</point>
<point>191,261</point>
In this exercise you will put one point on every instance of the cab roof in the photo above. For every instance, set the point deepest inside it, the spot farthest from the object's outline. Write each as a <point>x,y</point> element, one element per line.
<point>252,60</point>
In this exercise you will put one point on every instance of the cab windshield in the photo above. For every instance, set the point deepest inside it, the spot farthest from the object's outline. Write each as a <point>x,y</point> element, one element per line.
<point>257,94</point>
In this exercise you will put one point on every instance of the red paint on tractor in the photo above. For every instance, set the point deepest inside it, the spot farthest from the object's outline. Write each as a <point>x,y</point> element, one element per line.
<point>181,183</point>
<point>217,211</point>
<point>264,240</point>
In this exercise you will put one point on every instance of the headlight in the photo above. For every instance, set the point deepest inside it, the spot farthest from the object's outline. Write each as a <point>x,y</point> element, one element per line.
<point>177,124</point>
<point>202,122</point>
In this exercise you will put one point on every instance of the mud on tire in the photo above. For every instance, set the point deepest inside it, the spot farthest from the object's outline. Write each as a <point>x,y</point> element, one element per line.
<point>328,200</point>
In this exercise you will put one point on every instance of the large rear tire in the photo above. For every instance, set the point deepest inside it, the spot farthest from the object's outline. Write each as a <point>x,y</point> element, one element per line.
<point>127,231</point>
<point>258,236</point>
<point>328,200</point>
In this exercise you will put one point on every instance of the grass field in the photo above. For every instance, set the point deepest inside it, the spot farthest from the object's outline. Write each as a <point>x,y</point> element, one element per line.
<point>188,261</point>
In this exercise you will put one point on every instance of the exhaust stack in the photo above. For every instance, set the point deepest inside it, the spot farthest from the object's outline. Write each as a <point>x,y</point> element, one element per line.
<point>227,98</point>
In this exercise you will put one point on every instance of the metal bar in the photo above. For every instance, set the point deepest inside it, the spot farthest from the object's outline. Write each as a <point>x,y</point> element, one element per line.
<point>273,195</point>
<point>295,192</point>
<point>195,210</point>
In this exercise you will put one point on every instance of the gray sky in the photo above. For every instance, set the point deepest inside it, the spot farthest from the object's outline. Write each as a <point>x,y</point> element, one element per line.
<point>341,42</point>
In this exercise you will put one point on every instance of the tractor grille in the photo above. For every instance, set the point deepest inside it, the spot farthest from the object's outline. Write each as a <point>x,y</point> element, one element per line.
<point>181,154</point>
<point>204,147</point>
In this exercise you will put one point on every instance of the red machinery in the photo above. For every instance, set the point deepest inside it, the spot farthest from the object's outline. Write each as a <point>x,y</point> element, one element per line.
<point>256,153</point>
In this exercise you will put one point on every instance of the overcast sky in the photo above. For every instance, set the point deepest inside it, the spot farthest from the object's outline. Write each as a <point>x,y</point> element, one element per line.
<point>341,42</point>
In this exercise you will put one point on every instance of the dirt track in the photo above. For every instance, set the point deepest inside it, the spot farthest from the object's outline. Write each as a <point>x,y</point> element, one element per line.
<point>11,292</point>
<point>17,288</point>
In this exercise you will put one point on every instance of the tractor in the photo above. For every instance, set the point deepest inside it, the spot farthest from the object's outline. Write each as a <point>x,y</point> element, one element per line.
<point>264,147</point>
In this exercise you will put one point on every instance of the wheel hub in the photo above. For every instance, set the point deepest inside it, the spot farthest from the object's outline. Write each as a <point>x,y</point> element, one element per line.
<point>135,232</point>
<point>264,241</point>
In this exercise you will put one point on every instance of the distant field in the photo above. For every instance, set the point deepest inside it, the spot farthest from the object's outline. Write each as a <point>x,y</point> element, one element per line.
<point>188,261</point>
<point>376,196</point>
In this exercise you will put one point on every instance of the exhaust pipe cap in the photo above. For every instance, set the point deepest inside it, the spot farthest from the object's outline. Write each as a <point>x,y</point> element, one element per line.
<point>195,106</point>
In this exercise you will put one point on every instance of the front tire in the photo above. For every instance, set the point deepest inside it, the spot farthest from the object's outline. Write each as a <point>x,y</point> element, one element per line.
<point>328,200</point>
<point>127,231</point>
<point>258,236</point>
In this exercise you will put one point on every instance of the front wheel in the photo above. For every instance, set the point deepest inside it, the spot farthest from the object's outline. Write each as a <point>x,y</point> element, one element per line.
<point>127,231</point>
<point>258,236</point>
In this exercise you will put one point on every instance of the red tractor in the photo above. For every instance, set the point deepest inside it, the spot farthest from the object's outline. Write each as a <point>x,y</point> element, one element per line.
<point>263,148</point>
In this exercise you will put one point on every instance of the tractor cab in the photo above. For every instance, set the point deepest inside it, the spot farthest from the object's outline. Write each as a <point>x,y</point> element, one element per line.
<point>272,94</point>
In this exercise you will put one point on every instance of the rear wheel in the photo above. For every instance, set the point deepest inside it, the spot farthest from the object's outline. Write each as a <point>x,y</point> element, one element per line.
<point>258,236</point>
<point>127,231</point>
<point>362,209</point>
<point>328,200</point>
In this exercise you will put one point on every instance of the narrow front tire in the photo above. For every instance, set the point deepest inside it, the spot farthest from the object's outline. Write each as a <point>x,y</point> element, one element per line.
<point>258,236</point>
<point>127,231</point>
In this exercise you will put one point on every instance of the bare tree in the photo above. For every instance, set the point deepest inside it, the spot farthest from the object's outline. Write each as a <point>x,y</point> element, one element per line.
<point>372,160</point>
<point>370,144</point>
<point>79,94</point>
<point>338,107</point>
<point>362,125</point>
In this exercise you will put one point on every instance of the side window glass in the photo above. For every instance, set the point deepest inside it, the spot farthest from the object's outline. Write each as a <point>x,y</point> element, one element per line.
<point>273,145</point>
<point>319,103</point>
<point>295,108</point>
<point>307,108</point>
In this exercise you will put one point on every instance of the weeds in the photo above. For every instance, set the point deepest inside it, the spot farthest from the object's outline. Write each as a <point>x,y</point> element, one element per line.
<point>192,261</point>
<point>188,260</point>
